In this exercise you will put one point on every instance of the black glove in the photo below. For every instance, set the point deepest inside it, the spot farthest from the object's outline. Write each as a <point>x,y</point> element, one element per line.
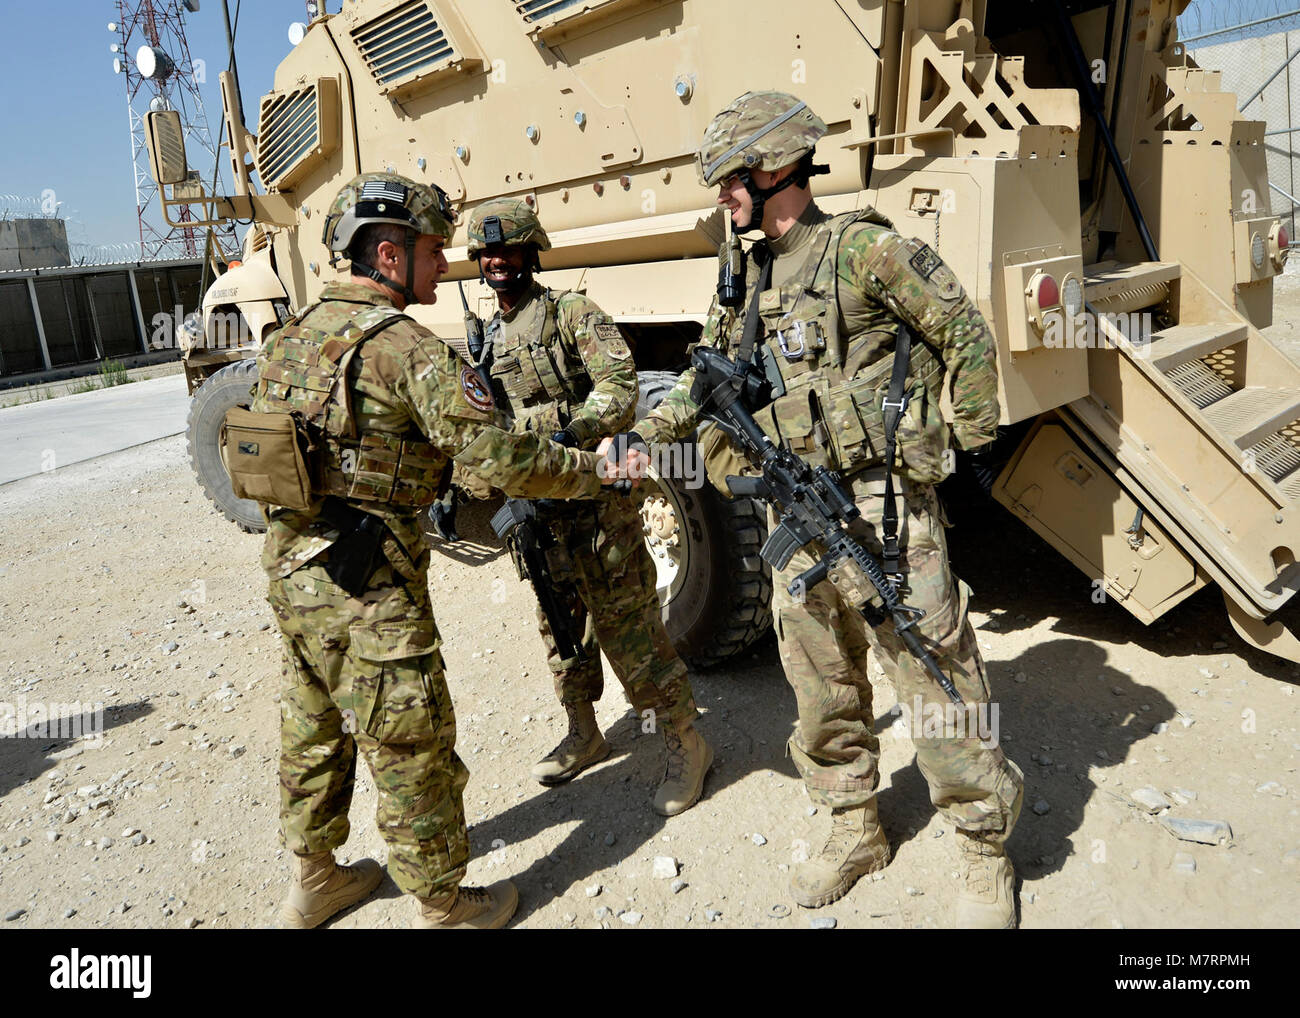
<point>617,453</point>
<point>442,515</point>
<point>566,438</point>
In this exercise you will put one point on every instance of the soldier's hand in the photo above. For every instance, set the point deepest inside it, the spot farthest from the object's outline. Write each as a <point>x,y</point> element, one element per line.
<point>442,515</point>
<point>566,438</point>
<point>627,459</point>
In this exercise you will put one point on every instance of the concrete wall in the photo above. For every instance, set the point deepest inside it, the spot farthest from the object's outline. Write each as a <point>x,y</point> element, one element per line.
<point>33,244</point>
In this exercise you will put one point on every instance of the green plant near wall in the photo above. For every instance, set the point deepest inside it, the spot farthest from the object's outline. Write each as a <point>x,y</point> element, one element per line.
<point>112,372</point>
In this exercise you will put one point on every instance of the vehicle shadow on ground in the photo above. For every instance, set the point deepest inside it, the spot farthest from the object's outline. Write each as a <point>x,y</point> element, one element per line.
<point>1065,712</point>
<point>1057,710</point>
<point>1020,580</point>
<point>37,746</point>
<point>747,731</point>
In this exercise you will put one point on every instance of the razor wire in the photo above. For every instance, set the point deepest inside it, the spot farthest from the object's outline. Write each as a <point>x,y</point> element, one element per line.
<point>1217,21</point>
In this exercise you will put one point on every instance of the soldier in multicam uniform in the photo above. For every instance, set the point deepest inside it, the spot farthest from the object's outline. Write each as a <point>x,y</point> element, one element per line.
<point>391,407</point>
<point>830,293</point>
<point>561,367</point>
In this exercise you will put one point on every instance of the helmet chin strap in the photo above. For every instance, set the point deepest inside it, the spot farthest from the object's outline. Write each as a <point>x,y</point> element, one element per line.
<point>407,292</point>
<point>760,195</point>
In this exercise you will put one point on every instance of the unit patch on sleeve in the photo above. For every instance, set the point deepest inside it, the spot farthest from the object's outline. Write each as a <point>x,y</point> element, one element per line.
<point>607,332</point>
<point>925,261</point>
<point>930,267</point>
<point>477,395</point>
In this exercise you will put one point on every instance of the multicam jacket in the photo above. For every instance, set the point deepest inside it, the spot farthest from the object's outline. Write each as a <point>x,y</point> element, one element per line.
<point>839,288</point>
<point>559,361</point>
<point>408,407</point>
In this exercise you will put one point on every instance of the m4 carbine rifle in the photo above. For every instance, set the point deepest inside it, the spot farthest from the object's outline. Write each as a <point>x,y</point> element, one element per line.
<point>517,522</point>
<point>812,502</point>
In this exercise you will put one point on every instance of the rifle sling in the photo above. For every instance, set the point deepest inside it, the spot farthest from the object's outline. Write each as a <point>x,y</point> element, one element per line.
<point>762,254</point>
<point>892,409</point>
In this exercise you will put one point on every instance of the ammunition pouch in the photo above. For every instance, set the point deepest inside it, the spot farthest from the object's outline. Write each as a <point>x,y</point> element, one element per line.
<point>385,468</point>
<point>267,456</point>
<point>841,425</point>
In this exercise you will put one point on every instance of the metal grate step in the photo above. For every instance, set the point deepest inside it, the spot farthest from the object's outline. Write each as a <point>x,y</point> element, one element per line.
<point>1275,457</point>
<point>1200,383</point>
<point>1252,413</point>
<point>1179,343</point>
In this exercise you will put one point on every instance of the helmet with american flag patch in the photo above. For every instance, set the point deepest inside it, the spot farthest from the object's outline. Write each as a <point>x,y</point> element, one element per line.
<point>385,198</point>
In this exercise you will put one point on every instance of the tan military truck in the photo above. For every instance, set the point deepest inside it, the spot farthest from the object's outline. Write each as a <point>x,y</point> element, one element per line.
<point>1093,188</point>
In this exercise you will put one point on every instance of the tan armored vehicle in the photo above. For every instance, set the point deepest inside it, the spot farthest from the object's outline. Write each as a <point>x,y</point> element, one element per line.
<point>1094,190</point>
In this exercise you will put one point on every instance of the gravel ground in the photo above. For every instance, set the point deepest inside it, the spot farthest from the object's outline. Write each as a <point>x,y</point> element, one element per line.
<point>120,585</point>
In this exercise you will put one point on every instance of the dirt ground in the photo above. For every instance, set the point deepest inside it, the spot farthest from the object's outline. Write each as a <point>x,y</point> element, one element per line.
<point>119,584</point>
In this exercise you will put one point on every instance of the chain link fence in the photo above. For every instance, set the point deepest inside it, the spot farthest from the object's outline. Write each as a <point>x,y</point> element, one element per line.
<point>1248,57</point>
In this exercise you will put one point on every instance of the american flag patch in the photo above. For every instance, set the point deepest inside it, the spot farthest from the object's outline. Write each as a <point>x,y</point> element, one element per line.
<point>383,190</point>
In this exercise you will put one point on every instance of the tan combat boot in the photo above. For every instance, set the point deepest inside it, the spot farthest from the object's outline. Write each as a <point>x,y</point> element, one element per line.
<point>689,759</point>
<point>582,747</point>
<point>321,888</point>
<point>987,899</point>
<point>857,846</point>
<point>469,908</point>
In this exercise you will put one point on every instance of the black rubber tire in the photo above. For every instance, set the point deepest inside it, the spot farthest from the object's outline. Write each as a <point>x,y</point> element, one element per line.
<point>226,388</point>
<point>723,604</point>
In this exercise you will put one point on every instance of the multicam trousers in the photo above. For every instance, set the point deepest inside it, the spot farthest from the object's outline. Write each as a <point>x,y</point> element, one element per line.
<point>366,673</point>
<point>607,580</point>
<point>824,644</point>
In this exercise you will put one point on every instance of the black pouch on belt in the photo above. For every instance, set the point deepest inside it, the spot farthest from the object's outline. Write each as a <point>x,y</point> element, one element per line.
<point>359,551</point>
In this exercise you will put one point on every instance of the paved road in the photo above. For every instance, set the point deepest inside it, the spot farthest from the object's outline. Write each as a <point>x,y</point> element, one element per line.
<point>39,437</point>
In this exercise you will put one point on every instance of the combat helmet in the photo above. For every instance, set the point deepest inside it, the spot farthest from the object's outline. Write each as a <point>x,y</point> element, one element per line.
<point>505,221</point>
<point>760,131</point>
<point>371,198</point>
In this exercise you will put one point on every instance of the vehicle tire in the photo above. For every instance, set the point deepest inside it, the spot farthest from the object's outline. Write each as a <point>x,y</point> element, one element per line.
<point>715,590</point>
<point>226,388</point>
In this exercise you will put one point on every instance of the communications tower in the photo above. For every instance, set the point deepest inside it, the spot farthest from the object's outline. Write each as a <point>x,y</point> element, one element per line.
<point>151,54</point>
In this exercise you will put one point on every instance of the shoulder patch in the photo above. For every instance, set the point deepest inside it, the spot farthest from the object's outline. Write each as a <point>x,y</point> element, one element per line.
<point>477,395</point>
<point>925,261</point>
<point>607,332</point>
<point>930,267</point>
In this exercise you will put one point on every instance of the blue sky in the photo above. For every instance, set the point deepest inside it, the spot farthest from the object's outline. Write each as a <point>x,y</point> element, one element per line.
<point>64,120</point>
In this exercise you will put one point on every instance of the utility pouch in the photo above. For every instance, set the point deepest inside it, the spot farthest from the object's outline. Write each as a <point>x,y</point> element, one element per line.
<point>853,418</point>
<point>267,455</point>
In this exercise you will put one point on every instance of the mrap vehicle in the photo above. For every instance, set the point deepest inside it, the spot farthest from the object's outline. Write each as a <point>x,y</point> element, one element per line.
<point>1095,191</point>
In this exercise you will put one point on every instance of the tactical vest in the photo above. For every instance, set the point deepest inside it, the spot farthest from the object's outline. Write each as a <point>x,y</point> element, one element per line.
<point>538,372</point>
<point>830,413</point>
<point>306,370</point>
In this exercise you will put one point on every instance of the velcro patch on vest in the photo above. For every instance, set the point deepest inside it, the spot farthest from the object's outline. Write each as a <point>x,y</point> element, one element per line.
<point>477,395</point>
